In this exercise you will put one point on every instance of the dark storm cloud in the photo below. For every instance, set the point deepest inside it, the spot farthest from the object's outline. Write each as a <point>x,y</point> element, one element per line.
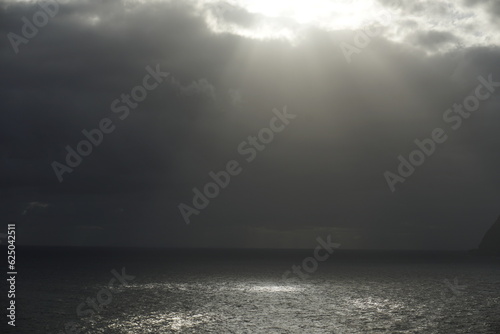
<point>323,173</point>
<point>490,6</point>
<point>434,39</point>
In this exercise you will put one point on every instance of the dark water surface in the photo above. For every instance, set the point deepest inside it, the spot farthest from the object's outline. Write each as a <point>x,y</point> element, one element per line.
<point>229,291</point>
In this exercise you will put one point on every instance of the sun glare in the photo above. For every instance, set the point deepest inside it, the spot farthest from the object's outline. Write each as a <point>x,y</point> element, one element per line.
<point>305,12</point>
<point>283,19</point>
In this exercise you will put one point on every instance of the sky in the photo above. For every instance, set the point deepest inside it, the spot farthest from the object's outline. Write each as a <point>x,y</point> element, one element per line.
<point>333,93</point>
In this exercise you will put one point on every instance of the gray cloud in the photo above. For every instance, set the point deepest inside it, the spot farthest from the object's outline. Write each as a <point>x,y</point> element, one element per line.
<point>323,172</point>
<point>434,39</point>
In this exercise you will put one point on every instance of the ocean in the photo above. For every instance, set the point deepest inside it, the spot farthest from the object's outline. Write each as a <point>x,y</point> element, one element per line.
<point>76,290</point>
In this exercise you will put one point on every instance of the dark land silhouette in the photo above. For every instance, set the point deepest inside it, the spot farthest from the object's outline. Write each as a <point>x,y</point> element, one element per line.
<point>491,240</point>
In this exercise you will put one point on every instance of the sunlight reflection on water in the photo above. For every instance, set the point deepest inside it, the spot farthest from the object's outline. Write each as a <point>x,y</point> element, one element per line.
<point>262,304</point>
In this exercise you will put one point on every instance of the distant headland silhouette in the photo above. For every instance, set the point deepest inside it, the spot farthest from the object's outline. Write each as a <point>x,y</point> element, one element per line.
<point>491,240</point>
